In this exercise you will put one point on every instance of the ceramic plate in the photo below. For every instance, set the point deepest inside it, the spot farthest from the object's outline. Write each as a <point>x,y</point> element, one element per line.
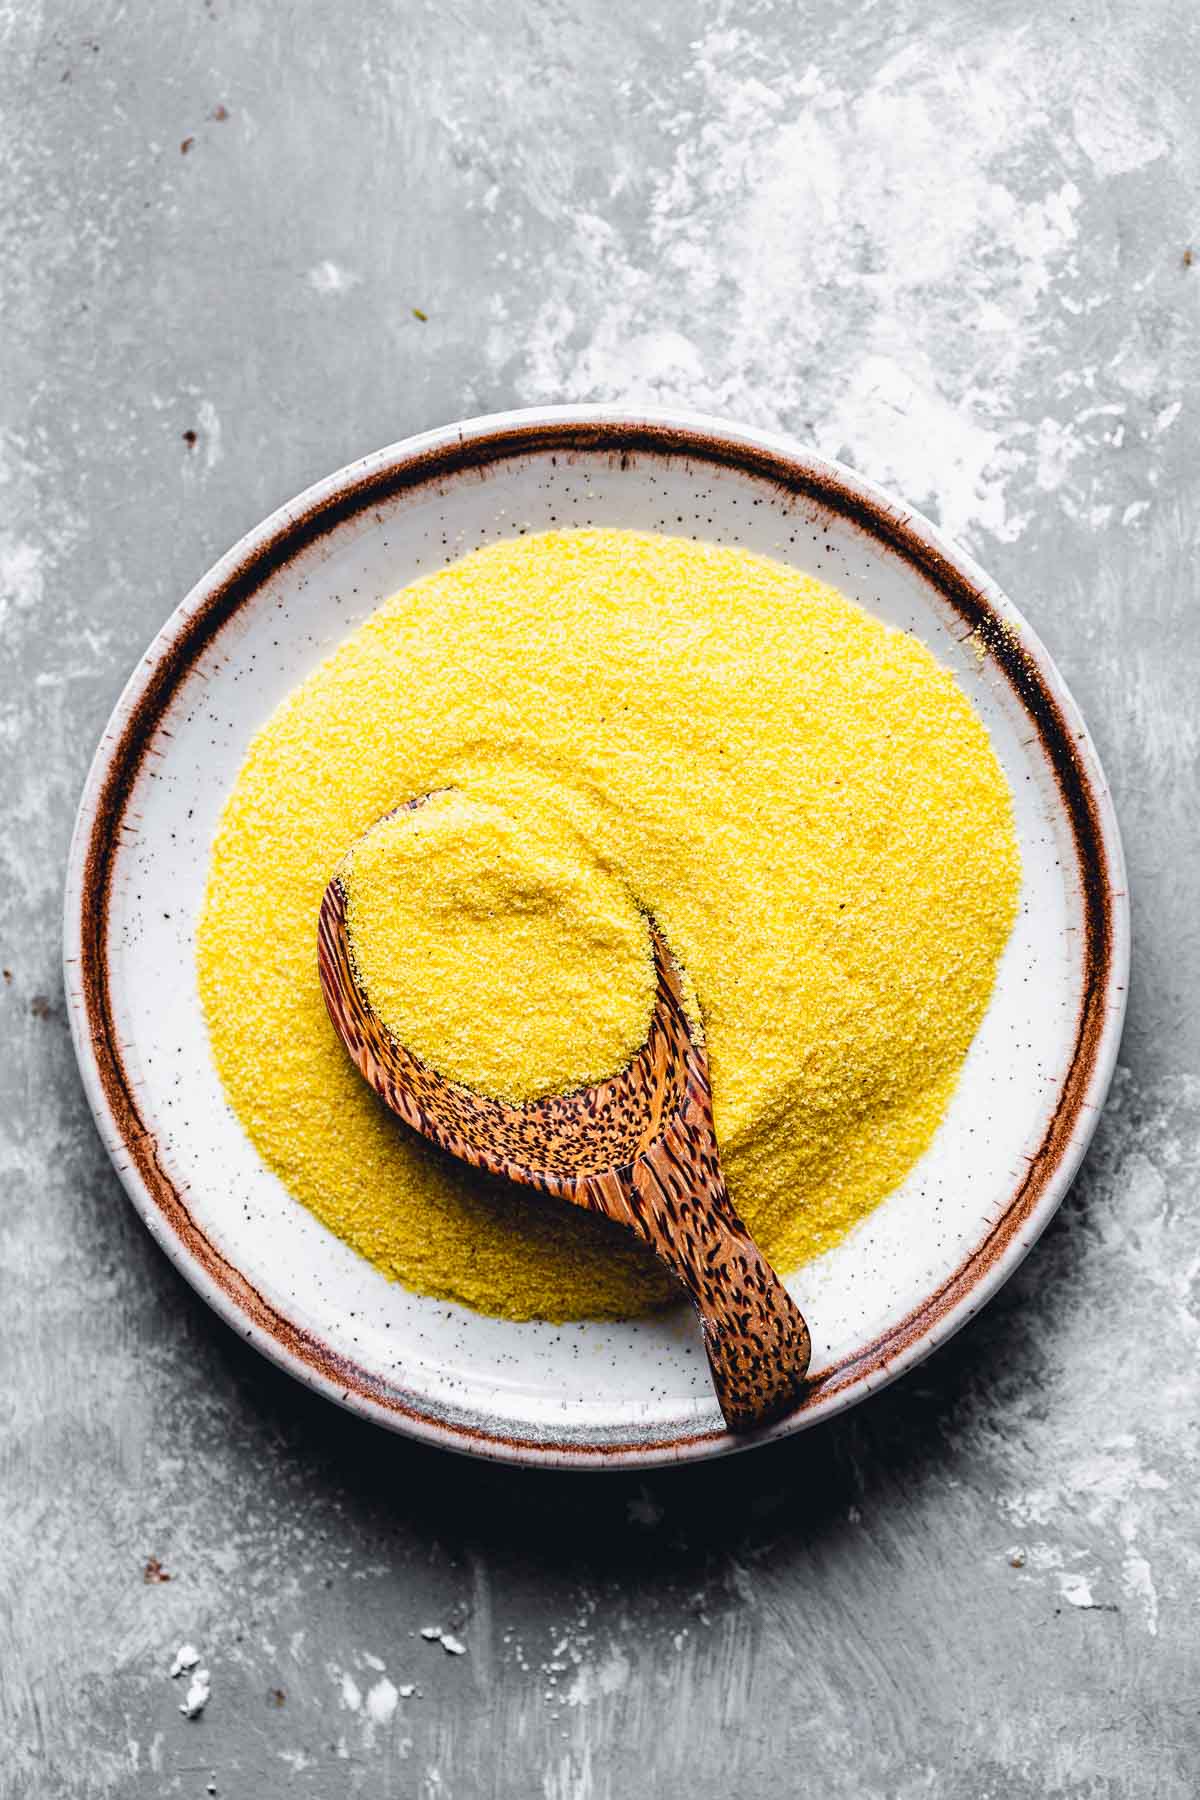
<point>587,1394</point>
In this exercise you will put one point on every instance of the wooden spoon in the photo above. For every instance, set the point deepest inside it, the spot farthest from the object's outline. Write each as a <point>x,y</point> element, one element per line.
<point>639,1148</point>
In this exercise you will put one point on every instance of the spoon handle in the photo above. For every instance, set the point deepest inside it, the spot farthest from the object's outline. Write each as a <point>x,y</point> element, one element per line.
<point>675,1199</point>
<point>755,1336</point>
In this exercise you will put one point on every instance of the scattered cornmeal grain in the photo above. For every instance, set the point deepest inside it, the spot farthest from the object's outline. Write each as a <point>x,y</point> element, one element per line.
<point>509,963</point>
<point>802,796</point>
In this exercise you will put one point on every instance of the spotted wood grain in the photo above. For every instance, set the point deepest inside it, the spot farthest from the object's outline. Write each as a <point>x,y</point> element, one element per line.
<point>639,1148</point>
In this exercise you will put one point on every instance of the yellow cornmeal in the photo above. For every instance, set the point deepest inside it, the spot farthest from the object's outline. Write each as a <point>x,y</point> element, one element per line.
<point>803,798</point>
<point>507,962</point>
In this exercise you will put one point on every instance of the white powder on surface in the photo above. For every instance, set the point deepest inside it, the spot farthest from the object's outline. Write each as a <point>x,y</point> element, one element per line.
<point>197,1696</point>
<point>186,1657</point>
<point>1106,1496</point>
<point>593,1680</point>
<point>381,1701</point>
<point>1137,1578</point>
<point>1076,1590</point>
<point>328,278</point>
<point>890,265</point>
<point>22,580</point>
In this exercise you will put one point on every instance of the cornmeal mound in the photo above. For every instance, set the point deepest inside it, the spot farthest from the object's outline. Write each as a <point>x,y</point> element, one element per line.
<point>510,963</point>
<point>611,724</point>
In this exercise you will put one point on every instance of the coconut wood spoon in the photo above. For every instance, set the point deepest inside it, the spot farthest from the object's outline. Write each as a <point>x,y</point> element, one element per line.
<point>639,1148</point>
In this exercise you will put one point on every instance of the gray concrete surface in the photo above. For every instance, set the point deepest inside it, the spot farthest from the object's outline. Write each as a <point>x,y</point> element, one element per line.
<point>949,241</point>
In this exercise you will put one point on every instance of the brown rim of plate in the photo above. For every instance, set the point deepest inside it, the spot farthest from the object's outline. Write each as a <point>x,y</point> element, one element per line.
<point>462,456</point>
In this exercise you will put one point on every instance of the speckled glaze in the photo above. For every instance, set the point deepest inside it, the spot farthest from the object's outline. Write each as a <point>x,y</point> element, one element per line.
<point>586,1394</point>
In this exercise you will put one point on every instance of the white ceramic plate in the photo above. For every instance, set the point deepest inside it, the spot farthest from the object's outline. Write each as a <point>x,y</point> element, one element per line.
<point>587,1394</point>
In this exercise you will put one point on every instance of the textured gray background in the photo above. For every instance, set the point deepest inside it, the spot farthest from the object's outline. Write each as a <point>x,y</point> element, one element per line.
<point>948,241</point>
